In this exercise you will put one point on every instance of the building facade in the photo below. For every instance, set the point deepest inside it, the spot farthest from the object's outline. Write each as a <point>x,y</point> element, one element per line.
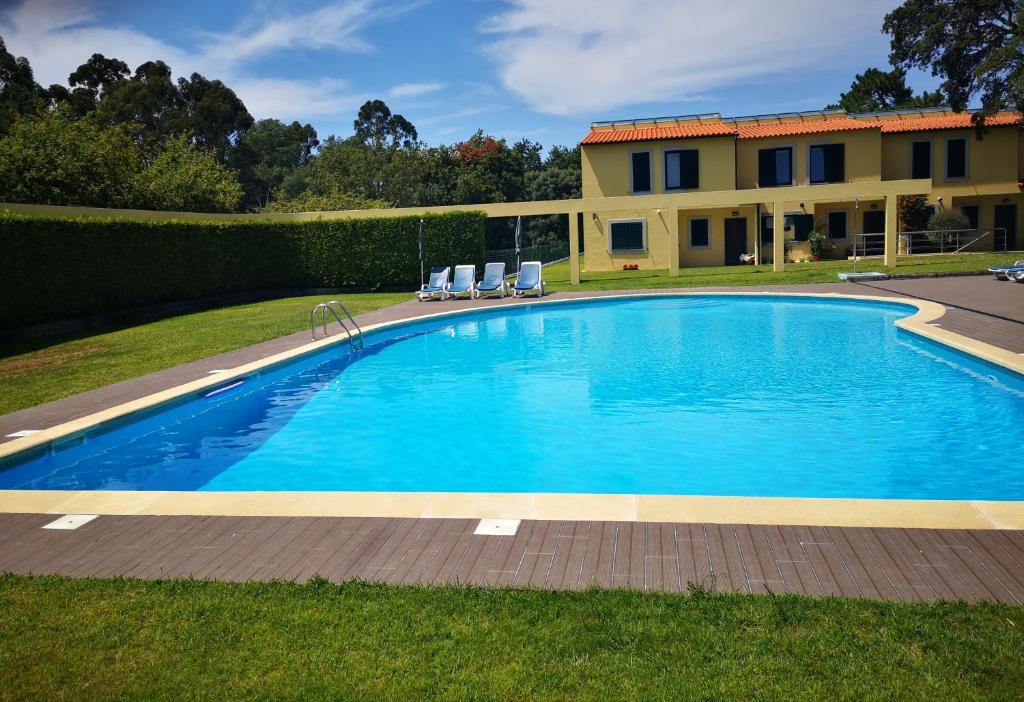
<point>636,161</point>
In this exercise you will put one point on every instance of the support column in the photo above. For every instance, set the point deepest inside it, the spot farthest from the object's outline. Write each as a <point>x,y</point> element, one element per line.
<point>779,237</point>
<point>673,242</point>
<point>574,248</point>
<point>891,235</point>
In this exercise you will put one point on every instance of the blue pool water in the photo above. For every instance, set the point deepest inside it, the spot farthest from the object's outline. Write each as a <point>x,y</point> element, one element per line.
<point>671,395</point>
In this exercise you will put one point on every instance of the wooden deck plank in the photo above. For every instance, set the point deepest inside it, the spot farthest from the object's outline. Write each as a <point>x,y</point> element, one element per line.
<point>870,578</point>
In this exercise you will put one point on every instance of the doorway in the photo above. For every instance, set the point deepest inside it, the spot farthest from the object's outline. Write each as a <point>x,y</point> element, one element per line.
<point>1006,218</point>
<point>735,240</point>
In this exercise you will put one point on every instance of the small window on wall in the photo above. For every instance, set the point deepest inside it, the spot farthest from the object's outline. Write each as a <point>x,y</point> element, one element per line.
<point>775,167</point>
<point>921,159</point>
<point>971,213</point>
<point>803,225</point>
<point>700,233</point>
<point>627,235</point>
<point>640,175</point>
<point>682,169</point>
<point>828,163</point>
<point>956,158</point>
<point>837,225</point>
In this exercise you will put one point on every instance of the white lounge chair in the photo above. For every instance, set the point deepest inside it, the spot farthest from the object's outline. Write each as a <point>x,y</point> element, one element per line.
<point>1006,272</point>
<point>438,284</point>
<point>494,281</point>
<point>529,280</point>
<point>464,282</point>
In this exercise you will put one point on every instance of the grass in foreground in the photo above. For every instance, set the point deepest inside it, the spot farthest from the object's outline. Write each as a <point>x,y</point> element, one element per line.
<point>39,370</point>
<point>88,639</point>
<point>557,276</point>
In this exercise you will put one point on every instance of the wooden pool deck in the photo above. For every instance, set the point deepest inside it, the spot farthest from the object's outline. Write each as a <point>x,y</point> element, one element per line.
<point>909,564</point>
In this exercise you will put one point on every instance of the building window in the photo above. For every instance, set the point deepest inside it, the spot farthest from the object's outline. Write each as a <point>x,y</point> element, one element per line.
<point>775,167</point>
<point>627,235</point>
<point>802,225</point>
<point>640,174</point>
<point>873,222</point>
<point>971,213</point>
<point>682,169</point>
<point>956,158</point>
<point>921,159</point>
<point>700,233</point>
<point>837,224</point>
<point>828,163</point>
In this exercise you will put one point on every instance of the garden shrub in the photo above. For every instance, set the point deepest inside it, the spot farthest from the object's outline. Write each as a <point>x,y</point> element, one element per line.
<point>59,268</point>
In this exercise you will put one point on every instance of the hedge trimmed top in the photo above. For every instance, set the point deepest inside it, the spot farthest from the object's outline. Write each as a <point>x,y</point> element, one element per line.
<point>56,268</point>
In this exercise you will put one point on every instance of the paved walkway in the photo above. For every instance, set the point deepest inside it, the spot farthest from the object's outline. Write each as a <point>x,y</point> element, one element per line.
<point>894,564</point>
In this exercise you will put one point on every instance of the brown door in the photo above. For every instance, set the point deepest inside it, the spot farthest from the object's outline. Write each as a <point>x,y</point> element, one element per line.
<point>735,240</point>
<point>1006,218</point>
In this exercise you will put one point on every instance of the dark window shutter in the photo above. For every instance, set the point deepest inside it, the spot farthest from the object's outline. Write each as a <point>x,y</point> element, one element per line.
<point>835,163</point>
<point>921,156</point>
<point>641,172</point>
<point>766,168</point>
<point>689,167</point>
<point>956,158</point>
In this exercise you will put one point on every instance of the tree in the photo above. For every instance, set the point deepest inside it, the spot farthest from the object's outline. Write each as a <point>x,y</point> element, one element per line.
<point>377,128</point>
<point>91,82</point>
<point>182,177</point>
<point>19,92</point>
<point>974,45</point>
<point>51,158</point>
<point>149,101</point>
<point>913,212</point>
<point>268,153</point>
<point>875,90</point>
<point>211,114</point>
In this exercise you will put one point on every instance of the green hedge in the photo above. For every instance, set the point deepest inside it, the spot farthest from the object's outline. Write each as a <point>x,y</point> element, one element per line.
<point>58,268</point>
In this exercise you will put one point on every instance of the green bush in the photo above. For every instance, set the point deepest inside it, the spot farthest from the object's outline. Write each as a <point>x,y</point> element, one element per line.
<point>59,268</point>
<point>948,221</point>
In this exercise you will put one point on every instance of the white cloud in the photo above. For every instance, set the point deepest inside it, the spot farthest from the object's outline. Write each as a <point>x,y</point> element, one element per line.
<point>414,89</point>
<point>59,35</point>
<point>577,57</point>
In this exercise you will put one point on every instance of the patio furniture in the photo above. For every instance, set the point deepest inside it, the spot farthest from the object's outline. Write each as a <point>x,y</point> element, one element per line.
<point>1004,272</point>
<point>529,280</point>
<point>438,284</point>
<point>464,282</point>
<point>494,281</point>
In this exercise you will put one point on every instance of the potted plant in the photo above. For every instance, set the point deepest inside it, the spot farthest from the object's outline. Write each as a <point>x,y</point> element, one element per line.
<point>816,242</point>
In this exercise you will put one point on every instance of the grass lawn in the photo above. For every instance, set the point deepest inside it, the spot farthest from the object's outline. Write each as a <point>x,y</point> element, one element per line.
<point>89,639</point>
<point>557,276</point>
<point>39,370</point>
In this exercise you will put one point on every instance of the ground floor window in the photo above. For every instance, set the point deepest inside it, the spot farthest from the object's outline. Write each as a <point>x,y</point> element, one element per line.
<point>700,233</point>
<point>874,222</point>
<point>971,213</point>
<point>837,225</point>
<point>627,235</point>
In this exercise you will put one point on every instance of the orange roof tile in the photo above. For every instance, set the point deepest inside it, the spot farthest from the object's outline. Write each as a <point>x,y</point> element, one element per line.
<point>753,130</point>
<point>682,131</point>
<point>945,121</point>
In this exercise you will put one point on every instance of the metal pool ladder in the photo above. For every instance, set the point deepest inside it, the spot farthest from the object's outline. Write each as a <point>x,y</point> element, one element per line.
<point>355,340</point>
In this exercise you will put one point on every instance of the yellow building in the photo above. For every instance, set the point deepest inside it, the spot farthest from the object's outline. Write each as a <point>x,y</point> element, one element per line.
<point>640,160</point>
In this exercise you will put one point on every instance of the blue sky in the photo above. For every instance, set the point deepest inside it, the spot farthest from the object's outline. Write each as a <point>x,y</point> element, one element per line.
<point>541,69</point>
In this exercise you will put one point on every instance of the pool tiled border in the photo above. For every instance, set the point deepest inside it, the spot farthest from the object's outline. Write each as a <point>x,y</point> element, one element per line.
<point>711,509</point>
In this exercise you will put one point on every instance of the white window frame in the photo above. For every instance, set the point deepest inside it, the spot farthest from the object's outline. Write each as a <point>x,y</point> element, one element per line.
<point>650,172</point>
<point>664,181</point>
<point>626,221</point>
<point>792,164</point>
<point>824,143</point>
<point>828,215</point>
<point>931,157</point>
<point>967,158</point>
<point>689,233</point>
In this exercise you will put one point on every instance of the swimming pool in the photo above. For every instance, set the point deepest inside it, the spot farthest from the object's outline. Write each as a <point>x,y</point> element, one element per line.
<point>686,395</point>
